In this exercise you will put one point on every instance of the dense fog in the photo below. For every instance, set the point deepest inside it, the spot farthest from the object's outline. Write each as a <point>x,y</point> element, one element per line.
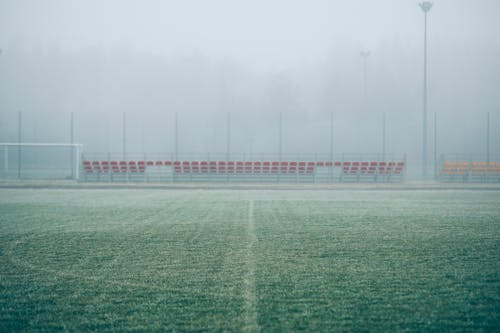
<point>250,77</point>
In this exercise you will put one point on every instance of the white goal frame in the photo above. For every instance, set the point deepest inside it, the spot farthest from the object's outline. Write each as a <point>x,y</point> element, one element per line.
<point>78,148</point>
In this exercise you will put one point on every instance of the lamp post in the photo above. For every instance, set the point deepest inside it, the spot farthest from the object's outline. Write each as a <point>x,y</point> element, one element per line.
<point>364,54</point>
<point>425,6</point>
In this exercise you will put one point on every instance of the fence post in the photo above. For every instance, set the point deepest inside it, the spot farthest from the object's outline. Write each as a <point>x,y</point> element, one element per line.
<point>228,143</point>
<point>124,136</point>
<point>435,146</point>
<point>281,136</point>
<point>383,136</point>
<point>72,141</point>
<point>176,138</point>
<point>19,140</point>
<point>488,138</point>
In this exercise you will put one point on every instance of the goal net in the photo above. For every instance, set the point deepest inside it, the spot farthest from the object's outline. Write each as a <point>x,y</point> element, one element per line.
<point>44,161</point>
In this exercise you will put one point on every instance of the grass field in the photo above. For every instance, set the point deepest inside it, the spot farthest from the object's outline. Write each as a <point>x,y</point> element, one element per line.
<point>255,260</point>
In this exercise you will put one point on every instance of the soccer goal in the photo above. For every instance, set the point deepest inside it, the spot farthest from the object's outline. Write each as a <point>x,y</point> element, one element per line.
<point>44,161</point>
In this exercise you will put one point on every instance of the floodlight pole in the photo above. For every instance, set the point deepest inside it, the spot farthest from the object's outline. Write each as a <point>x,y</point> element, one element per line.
<point>425,6</point>
<point>364,54</point>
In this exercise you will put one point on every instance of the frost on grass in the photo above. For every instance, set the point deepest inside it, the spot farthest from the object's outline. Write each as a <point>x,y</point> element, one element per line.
<point>257,260</point>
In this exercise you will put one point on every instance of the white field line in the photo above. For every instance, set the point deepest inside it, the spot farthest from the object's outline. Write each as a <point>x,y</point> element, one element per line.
<point>251,321</point>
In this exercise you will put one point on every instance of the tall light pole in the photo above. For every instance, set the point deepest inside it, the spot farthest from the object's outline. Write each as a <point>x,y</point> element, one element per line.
<point>425,6</point>
<point>364,54</point>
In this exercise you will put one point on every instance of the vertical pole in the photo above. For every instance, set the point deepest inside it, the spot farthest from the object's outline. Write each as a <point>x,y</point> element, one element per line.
<point>331,136</point>
<point>383,136</point>
<point>435,146</point>
<point>72,141</point>
<point>6,159</point>
<point>281,137</point>
<point>228,141</point>
<point>19,140</point>
<point>124,136</point>
<point>488,138</point>
<point>424,116</point>
<point>176,138</point>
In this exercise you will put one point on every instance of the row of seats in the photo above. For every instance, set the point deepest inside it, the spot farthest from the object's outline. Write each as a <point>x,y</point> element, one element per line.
<point>248,167</point>
<point>373,168</point>
<point>114,166</point>
<point>470,168</point>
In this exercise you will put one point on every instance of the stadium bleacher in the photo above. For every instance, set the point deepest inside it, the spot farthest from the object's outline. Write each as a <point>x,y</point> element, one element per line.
<point>308,171</point>
<point>469,171</point>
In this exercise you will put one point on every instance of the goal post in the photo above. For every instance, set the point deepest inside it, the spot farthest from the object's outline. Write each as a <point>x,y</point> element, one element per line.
<point>50,161</point>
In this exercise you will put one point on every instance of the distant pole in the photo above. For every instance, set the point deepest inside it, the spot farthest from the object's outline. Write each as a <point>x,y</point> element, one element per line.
<point>176,138</point>
<point>435,145</point>
<point>331,136</point>
<point>364,54</point>
<point>19,140</point>
<point>124,136</point>
<point>425,6</point>
<point>383,136</point>
<point>488,137</point>
<point>228,141</point>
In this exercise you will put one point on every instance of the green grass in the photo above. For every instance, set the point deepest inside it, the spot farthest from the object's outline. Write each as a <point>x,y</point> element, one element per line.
<point>234,260</point>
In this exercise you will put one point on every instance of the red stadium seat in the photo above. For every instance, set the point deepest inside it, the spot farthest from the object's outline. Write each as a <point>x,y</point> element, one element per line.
<point>186,167</point>
<point>87,166</point>
<point>195,166</point>
<point>222,167</point>
<point>239,167</point>
<point>302,167</point>
<point>310,168</point>
<point>284,167</point>
<point>275,167</point>
<point>248,167</point>
<point>266,167</point>
<point>230,167</point>
<point>177,166</point>
<point>213,167</point>
<point>132,166</point>
<point>123,166</point>
<point>141,166</point>
<point>96,166</point>
<point>257,167</point>
<point>204,167</point>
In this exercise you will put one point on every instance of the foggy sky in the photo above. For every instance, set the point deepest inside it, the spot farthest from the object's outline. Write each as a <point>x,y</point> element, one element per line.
<point>271,34</point>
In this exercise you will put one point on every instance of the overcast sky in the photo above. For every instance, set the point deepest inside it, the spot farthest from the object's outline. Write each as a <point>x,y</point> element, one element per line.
<point>271,34</point>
